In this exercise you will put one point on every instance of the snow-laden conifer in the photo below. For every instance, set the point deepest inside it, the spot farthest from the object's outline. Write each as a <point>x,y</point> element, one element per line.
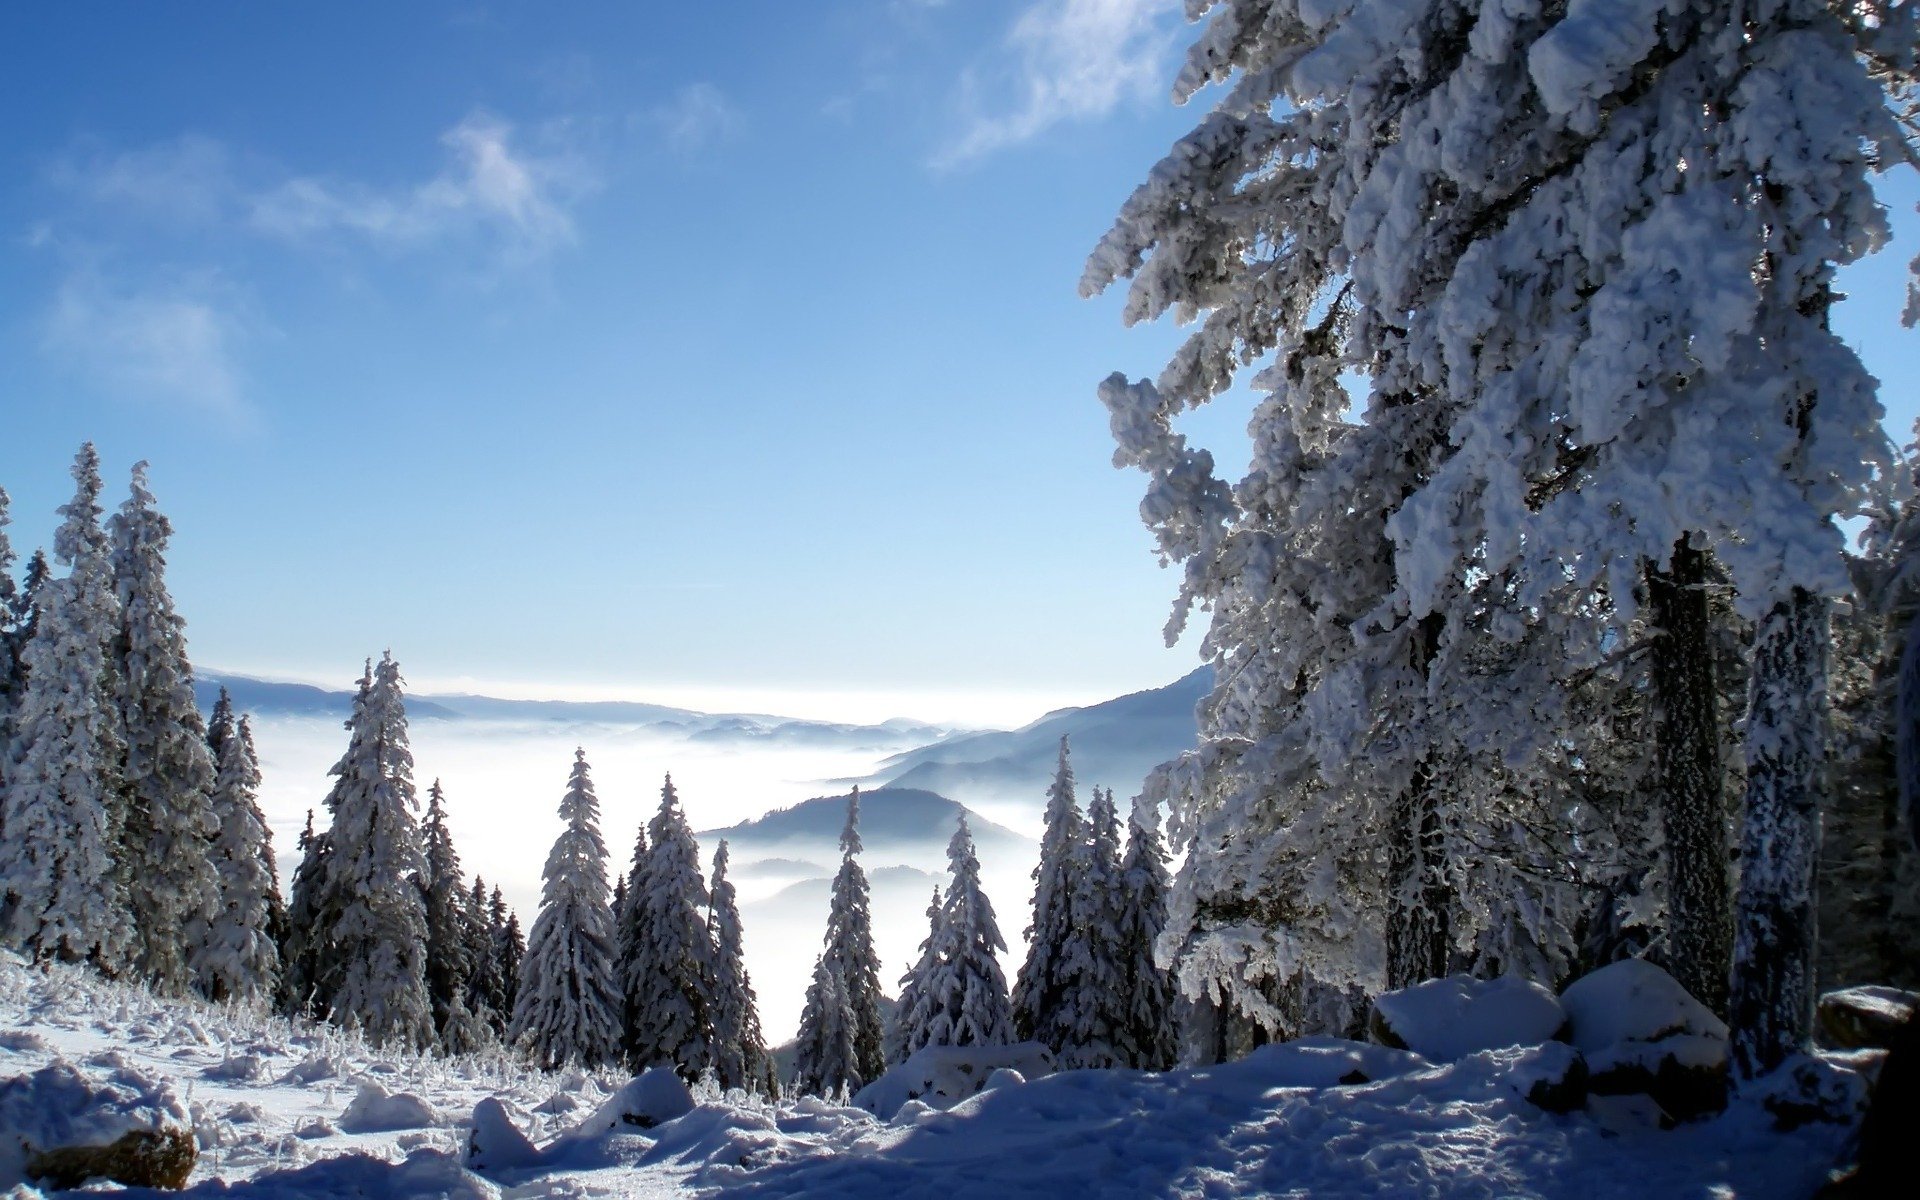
<point>1090,1017</point>
<point>220,724</point>
<point>483,987</point>
<point>372,882</point>
<point>63,812</point>
<point>1040,989</point>
<point>302,949</point>
<point>909,1029</point>
<point>849,941</point>
<point>568,1010</point>
<point>1146,1037</point>
<point>669,1011</point>
<point>966,989</point>
<point>237,959</point>
<point>9,661</point>
<point>449,938</point>
<point>509,950</point>
<point>740,1058</point>
<point>825,1061</point>
<point>169,775</point>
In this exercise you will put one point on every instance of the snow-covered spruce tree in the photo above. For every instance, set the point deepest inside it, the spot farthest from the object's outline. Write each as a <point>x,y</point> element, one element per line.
<point>1513,196</point>
<point>238,958</point>
<point>309,960</point>
<point>220,724</point>
<point>666,955</point>
<point>967,991</point>
<point>169,774</point>
<point>824,1056</point>
<point>740,1058</point>
<point>10,676</point>
<point>302,948</point>
<point>63,811</point>
<point>849,941</point>
<point>1146,1037</point>
<point>911,1026</point>
<point>568,1010</point>
<point>483,988</point>
<point>509,949</point>
<point>380,934</point>
<point>1041,990</point>
<point>1090,1015</point>
<point>449,937</point>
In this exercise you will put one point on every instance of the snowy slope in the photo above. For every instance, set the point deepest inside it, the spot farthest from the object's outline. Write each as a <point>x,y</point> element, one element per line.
<point>1265,1126</point>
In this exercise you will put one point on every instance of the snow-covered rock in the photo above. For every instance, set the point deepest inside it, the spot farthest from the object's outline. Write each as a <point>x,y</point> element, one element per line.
<point>942,1076</point>
<point>1552,1076</point>
<point>1864,1017</point>
<point>651,1098</point>
<point>1641,1033</point>
<point>495,1143</point>
<point>1447,1019</point>
<point>377,1110</point>
<point>237,1068</point>
<point>63,1126</point>
<point>314,1069</point>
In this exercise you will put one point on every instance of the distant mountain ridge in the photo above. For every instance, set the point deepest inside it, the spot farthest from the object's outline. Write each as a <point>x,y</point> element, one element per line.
<point>889,817</point>
<point>269,697</point>
<point>1114,744</point>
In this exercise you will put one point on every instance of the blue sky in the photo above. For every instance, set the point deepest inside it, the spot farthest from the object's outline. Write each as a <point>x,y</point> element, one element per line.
<point>727,354</point>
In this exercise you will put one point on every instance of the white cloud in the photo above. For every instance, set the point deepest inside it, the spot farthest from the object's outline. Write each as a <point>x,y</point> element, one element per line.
<point>697,116</point>
<point>1064,60</point>
<point>186,180</point>
<point>489,186</point>
<point>172,345</point>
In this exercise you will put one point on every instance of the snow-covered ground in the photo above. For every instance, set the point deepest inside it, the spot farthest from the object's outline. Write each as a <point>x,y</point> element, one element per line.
<point>272,1103</point>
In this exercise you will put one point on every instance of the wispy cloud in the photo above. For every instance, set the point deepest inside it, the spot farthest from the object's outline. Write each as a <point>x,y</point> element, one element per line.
<point>491,185</point>
<point>698,116</point>
<point>172,344</point>
<point>1062,60</point>
<point>488,185</point>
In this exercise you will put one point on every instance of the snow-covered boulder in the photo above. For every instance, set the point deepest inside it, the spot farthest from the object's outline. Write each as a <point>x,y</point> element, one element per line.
<point>1444,1020</point>
<point>1641,1033</point>
<point>377,1110</point>
<point>495,1143</point>
<point>942,1076</point>
<point>63,1127</point>
<point>1321,1062</point>
<point>651,1098</point>
<point>1860,1018</point>
<point>1552,1076</point>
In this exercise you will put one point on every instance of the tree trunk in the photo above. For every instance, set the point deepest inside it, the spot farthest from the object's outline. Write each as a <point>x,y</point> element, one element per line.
<point>1419,895</point>
<point>1772,991</point>
<point>1688,779</point>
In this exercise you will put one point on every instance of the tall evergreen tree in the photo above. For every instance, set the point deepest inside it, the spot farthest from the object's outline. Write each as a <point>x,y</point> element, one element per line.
<point>509,949</point>
<point>740,1058</point>
<point>380,934</point>
<point>824,1056</point>
<point>484,988</point>
<point>238,958</point>
<point>911,1026</point>
<point>449,938</point>
<point>63,812</point>
<point>220,724</point>
<point>10,674</point>
<point>169,776</point>
<point>310,961</point>
<point>1090,1019</point>
<point>568,1009</point>
<point>301,947</point>
<point>668,963</point>
<point>1041,989</point>
<point>850,940</point>
<point>968,1002</point>
<point>1146,1037</point>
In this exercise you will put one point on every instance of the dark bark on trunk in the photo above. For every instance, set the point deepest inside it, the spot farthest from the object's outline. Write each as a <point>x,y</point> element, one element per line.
<point>1772,993</point>
<point>1688,777</point>
<point>1419,895</point>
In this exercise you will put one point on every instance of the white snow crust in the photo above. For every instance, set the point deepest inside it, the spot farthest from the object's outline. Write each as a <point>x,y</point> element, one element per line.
<point>1448,1019</point>
<point>1275,1123</point>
